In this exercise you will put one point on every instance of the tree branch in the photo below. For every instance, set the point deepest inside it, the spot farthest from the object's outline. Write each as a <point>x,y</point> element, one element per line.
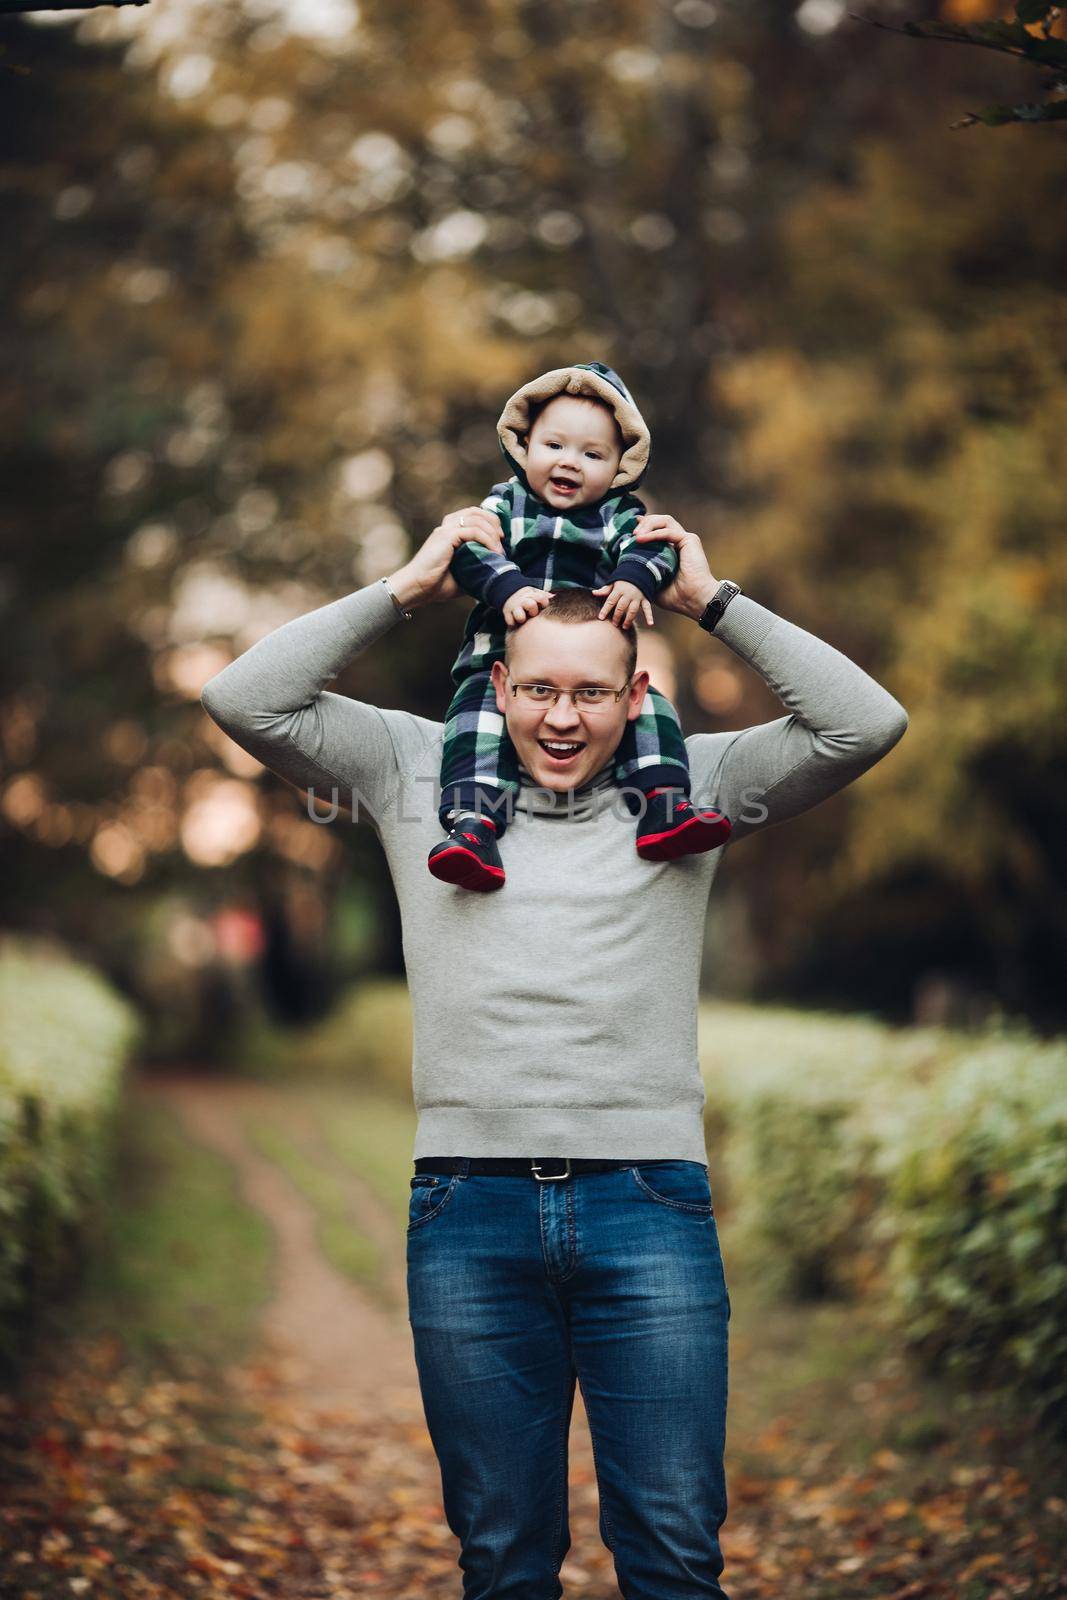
<point>9,7</point>
<point>1013,39</point>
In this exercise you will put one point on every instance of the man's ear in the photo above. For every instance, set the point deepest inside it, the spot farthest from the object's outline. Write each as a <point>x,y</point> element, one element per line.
<point>499,677</point>
<point>638,690</point>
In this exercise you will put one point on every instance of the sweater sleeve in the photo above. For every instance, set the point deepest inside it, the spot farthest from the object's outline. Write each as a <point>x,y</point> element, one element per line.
<point>483,573</point>
<point>839,723</point>
<point>273,703</point>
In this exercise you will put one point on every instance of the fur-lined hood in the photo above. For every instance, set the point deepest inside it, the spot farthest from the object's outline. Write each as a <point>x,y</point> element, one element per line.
<point>591,378</point>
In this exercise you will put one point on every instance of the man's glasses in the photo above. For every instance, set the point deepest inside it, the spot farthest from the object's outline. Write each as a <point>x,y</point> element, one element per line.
<point>591,698</point>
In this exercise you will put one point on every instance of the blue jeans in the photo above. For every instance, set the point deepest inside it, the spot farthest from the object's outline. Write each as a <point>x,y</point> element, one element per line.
<point>516,1289</point>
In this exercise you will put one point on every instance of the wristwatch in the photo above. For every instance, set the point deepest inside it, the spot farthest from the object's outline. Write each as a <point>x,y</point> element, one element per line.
<point>715,607</point>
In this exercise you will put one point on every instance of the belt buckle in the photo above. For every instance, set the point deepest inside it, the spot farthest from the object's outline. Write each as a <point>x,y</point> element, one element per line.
<point>552,1177</point>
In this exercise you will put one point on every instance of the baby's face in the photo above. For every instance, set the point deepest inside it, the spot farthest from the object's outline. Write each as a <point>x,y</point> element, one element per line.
<point>572,452</point>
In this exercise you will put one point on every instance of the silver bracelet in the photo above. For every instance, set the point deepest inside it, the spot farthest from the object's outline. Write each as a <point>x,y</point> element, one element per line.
<point>407,615</point>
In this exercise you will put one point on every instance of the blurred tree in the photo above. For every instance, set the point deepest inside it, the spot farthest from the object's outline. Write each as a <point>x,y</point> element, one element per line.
<point>899,433</point>
<point>278,268</point>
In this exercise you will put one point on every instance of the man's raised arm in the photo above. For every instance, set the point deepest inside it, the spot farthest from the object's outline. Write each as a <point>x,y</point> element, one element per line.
<point>273,702</point>
<point>840,720</point>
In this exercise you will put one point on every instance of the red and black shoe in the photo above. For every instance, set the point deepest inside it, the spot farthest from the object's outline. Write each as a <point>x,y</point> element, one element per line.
<point>671,827</point>
<point>469,857</point>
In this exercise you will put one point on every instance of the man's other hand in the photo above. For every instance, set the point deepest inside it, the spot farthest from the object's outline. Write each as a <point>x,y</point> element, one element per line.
<point>693,585</point>
<point>426,577</point>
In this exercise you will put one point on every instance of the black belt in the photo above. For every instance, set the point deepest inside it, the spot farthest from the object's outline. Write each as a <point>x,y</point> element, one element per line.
<point>545,1168</point>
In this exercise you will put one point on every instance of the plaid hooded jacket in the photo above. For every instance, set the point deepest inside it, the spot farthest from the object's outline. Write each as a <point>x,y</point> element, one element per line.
<point>590,546</point>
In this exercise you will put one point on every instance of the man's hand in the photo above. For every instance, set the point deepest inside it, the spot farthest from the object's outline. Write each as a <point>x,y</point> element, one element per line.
<point>524,604</point>
<point>624,604</point>
<point>693,586</point>
<point>426,577</point>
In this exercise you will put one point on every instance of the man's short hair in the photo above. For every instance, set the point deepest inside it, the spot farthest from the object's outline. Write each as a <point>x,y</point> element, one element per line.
<point>580,605</point>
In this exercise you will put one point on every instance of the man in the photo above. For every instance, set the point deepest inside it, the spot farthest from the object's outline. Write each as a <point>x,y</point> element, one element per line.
<point>561,1223</point>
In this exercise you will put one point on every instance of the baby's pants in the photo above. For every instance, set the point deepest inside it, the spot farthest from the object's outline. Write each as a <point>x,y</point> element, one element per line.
<point>480,769</point>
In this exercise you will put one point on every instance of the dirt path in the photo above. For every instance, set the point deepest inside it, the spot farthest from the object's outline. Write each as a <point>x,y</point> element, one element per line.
<point>337,1346</point>
<point>340,1367</point>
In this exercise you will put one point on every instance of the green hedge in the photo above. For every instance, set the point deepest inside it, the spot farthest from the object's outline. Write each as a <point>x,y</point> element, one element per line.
<point>924,1166</point>
<point>64,1040</point>
<point>803,1113</point>
<point>977,1223</point>
<point>365,1039</point>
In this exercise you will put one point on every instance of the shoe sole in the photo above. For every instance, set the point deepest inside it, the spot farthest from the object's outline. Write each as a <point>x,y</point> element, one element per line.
<point>462,868</point>
<point>688,839</point>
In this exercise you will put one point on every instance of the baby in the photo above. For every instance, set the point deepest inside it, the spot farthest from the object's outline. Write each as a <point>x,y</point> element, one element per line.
<point>578,445</point>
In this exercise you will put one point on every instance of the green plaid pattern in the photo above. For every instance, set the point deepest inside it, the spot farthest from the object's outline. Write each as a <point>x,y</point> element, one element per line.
<point>480,769</point>
<point>591,546</point>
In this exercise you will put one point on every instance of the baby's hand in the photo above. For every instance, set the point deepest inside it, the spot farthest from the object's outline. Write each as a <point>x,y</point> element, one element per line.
<point>624,604</point>
<point>524,604</point>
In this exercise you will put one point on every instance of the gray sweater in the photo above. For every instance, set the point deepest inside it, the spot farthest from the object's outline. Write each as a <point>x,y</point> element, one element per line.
<point>558,1016</point>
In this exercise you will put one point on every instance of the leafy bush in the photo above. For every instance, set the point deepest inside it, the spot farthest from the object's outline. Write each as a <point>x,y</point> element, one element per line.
<point>804,1112</point>
<point>923,1165</point>
<point>64,1040</point>
<point>806,1213</point>
<point>977,1219</point>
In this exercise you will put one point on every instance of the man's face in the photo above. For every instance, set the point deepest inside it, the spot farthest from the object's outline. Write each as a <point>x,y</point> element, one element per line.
<point>561,747</point>
<point>572,452</point>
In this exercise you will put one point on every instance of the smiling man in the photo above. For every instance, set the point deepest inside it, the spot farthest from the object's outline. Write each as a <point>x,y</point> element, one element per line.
<point>561,1222</point>
<point>567,693</point>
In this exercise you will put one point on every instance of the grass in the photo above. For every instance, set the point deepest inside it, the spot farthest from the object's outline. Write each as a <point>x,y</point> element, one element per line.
<point>337,1231</point>
<point>372,1134</point>
<point>182,1265</point>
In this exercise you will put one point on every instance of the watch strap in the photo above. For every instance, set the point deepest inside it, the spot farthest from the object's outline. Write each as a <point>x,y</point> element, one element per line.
<point>712,613</point>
